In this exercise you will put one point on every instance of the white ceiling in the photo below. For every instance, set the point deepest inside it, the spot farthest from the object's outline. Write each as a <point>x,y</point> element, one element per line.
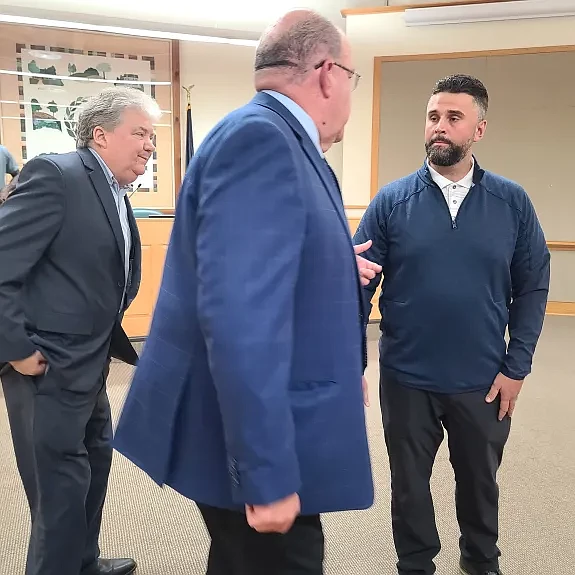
<point>243,18</point>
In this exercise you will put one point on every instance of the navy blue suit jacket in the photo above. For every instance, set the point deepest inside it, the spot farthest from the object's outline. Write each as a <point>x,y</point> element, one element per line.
<point>249,385</point>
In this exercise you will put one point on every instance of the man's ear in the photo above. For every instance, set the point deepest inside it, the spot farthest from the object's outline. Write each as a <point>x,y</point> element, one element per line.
<point>99,136</point>
<point>480,130</point>
<point>326,79</point>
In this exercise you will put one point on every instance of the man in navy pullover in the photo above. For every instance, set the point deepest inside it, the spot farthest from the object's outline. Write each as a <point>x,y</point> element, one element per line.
<point>463,258</point>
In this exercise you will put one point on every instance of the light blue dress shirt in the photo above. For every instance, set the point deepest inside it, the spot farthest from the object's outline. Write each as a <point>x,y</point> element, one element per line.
<point>8,165</point>
<point>301,116</point>
<point>119,195</point>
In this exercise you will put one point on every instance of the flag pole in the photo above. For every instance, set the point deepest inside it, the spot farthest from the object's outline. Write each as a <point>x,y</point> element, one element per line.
<point>189,131</point>
<point>188,90</point>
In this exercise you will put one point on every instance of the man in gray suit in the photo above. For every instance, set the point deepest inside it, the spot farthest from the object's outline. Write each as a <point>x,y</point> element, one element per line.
<point>69,267</point>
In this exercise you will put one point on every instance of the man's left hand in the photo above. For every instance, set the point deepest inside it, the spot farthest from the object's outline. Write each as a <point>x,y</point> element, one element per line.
<point>367,270</point>
<point>365,390</point>
<point>509,390</point>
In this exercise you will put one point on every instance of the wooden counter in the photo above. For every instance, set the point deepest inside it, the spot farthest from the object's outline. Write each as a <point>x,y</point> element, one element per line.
<point>155,235</point>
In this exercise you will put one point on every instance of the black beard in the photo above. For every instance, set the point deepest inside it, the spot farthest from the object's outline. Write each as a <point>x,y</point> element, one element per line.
<point>448,155</point>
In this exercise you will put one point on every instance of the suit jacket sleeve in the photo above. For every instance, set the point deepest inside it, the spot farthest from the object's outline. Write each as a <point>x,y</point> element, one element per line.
<point>250,236</point>
<point>29,221</point>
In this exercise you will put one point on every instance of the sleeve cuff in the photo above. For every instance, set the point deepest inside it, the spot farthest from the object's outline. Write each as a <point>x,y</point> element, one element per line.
<point>264,485</point>
<point>511,374</point>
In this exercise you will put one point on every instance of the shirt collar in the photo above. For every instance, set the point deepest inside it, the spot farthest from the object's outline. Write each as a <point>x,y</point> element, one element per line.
<point>442,181</point>
<point>112,182</point>
<point>301,116</point>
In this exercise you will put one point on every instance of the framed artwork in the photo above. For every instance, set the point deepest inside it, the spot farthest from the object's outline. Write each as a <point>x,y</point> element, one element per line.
<point>54,84</point>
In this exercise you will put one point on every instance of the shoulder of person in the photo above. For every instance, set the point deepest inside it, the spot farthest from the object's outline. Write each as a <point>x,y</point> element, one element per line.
<point>399,191</point>
<point>506,189</point>
<point>51,167</point>
<point>249,128</point>
<point>64,159</point>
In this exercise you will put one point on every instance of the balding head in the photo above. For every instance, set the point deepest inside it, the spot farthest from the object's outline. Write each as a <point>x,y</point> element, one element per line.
<point>296,43</point>
<point>308,59</point>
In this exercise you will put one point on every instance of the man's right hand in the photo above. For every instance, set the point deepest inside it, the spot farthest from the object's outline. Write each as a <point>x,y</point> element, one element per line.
<point>277,517</point>
<point>33,365</point>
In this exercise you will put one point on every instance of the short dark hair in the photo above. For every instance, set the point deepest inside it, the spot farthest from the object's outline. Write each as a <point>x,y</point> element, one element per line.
<point>464,84</point>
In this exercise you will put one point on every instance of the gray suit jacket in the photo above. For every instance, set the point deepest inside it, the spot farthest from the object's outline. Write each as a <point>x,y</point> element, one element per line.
<point>62,269</point>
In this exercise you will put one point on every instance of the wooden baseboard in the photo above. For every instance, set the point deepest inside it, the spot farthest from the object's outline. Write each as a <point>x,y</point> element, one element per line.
<point>564,308</point>
<point>561,308</point>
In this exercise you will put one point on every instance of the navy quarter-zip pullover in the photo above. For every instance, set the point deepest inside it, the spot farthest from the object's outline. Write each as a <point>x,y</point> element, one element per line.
<point>451,286</point>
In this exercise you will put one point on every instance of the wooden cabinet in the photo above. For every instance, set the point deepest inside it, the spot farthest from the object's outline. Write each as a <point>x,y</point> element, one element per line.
<point>155,235</point>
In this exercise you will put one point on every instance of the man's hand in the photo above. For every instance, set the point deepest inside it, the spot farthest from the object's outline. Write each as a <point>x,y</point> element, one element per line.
<point>367,270</point>
<point>277,517</point>
<point>365,391</point>
<point>509,390</point>
<point>33,365</point>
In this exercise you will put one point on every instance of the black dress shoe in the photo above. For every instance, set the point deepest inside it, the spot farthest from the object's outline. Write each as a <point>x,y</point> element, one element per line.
<point>466,568</point>
<point>111,567</point>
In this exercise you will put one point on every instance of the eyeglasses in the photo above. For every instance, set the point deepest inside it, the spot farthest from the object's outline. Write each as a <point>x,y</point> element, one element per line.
<point>351,74</point>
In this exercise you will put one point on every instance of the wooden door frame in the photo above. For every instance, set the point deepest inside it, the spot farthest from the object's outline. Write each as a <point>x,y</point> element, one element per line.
<point>553,307</point>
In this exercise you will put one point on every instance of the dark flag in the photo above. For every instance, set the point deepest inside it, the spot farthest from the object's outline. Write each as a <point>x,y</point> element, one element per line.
<point>189,135</point>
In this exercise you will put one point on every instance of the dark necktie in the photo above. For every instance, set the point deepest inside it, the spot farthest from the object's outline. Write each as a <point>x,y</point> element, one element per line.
<point>332,175</point>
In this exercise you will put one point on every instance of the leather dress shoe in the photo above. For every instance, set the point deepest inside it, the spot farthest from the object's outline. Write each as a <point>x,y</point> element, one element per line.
<point>111,567</point>
<point>466,568</point>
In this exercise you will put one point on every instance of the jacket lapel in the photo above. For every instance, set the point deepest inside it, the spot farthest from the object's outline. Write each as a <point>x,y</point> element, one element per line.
<point>322,167</point>
<point>328,178</point>
<point>104,192</point>
<point>135,254</point>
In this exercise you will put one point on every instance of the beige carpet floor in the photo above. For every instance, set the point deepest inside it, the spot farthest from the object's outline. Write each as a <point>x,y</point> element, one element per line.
<point>164,533</point>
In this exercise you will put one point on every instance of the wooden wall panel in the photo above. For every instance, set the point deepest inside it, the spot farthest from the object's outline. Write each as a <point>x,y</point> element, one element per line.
<point>155,235</point>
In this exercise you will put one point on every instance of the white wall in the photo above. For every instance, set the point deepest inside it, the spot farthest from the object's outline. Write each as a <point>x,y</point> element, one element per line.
<point>222,76</point>
<point>403,2</point>
<point>385,34</point>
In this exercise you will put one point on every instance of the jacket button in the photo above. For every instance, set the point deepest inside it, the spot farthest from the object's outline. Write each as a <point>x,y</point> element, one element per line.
<point>120,284</point>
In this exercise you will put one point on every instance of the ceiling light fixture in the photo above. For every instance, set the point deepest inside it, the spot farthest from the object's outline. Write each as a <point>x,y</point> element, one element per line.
<point>10,19</point>
<point>516,10</point>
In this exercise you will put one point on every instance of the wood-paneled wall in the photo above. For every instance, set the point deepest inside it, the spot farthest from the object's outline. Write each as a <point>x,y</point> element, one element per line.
<point>155,234</point>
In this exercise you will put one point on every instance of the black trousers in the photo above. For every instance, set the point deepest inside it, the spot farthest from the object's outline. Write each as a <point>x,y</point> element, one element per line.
<point>414,423</point>
<point>237,549</point>
<point>62,443</point>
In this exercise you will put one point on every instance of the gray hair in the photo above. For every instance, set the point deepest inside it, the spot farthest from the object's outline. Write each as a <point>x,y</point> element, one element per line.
<point>299,46</point>
<point>106,110</point>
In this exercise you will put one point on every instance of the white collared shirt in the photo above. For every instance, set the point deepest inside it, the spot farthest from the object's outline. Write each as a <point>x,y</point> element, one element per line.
<point>453,192</point>
<point>301,116</point>
<point>119,195</point>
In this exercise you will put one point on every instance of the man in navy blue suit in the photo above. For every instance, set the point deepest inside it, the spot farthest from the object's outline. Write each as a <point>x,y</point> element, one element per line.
<point>248,395</point>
